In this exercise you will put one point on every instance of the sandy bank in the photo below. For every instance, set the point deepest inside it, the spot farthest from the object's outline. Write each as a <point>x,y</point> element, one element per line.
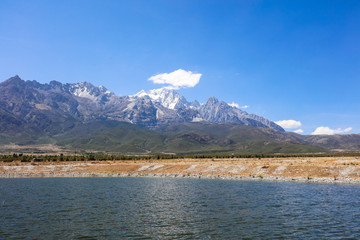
<point>324,170</point>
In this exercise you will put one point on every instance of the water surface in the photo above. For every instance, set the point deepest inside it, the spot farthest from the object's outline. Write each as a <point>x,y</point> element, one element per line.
<point>157,208</point>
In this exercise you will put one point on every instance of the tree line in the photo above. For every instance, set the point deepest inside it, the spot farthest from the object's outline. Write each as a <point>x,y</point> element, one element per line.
<point>113,157</point>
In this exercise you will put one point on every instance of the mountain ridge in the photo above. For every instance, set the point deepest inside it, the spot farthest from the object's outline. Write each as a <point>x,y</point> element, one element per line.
<point>85,102</point>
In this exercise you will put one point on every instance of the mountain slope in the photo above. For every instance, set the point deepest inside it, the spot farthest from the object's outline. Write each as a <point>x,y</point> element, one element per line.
<point>186,138</point>
<point>49,110</point>
<point>111,136</point>
<point>347,142</point>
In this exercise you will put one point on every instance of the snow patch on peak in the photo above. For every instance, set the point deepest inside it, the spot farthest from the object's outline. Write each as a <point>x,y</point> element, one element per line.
<point>84,93</point>
<point>140,94</point>
<point>165,97</point>
<point>197,119</point>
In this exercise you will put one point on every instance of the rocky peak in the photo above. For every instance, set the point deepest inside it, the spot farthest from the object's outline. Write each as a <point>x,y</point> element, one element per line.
<point>87,90</point>
<point>55,83</point>
<point>15,80</point>
<point>213,104</point>
<point>212,100</point>
<point>85,84</point>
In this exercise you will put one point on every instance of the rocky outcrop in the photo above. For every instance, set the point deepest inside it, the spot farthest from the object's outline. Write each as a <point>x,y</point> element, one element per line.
<point>220,112</point>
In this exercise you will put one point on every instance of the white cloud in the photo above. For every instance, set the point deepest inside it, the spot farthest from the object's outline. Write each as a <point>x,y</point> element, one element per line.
<point>234,105</point>
<point>289,124</point>
<point>329,131</point>
<point>299,131</point>
<point>177,79</point>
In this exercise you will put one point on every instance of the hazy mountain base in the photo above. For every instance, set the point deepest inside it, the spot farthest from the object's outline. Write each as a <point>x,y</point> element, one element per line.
<point>187,138</point>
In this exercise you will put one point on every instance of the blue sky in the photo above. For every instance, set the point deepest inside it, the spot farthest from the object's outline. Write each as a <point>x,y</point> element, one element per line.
<point>286,60</point>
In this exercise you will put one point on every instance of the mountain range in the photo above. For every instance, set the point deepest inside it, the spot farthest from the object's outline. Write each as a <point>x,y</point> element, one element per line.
<point>161,120</point>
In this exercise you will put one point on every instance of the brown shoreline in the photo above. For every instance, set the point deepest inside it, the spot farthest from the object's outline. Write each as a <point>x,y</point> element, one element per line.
<point>321,169</point>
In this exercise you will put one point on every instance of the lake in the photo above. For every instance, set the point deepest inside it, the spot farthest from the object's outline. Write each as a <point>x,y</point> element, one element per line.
<point>159,208</point>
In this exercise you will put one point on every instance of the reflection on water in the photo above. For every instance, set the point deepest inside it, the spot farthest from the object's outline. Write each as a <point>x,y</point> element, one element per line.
<point>148,208</point>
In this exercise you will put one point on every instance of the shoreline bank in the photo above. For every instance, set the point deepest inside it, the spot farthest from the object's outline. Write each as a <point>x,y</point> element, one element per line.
<point>184,176</point>
<point>321,170</point>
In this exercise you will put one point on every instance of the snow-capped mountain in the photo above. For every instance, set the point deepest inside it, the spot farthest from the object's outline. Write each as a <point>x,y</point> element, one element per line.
<point>212,111</point>
<point>167,98</point>
<point>46,104</point>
